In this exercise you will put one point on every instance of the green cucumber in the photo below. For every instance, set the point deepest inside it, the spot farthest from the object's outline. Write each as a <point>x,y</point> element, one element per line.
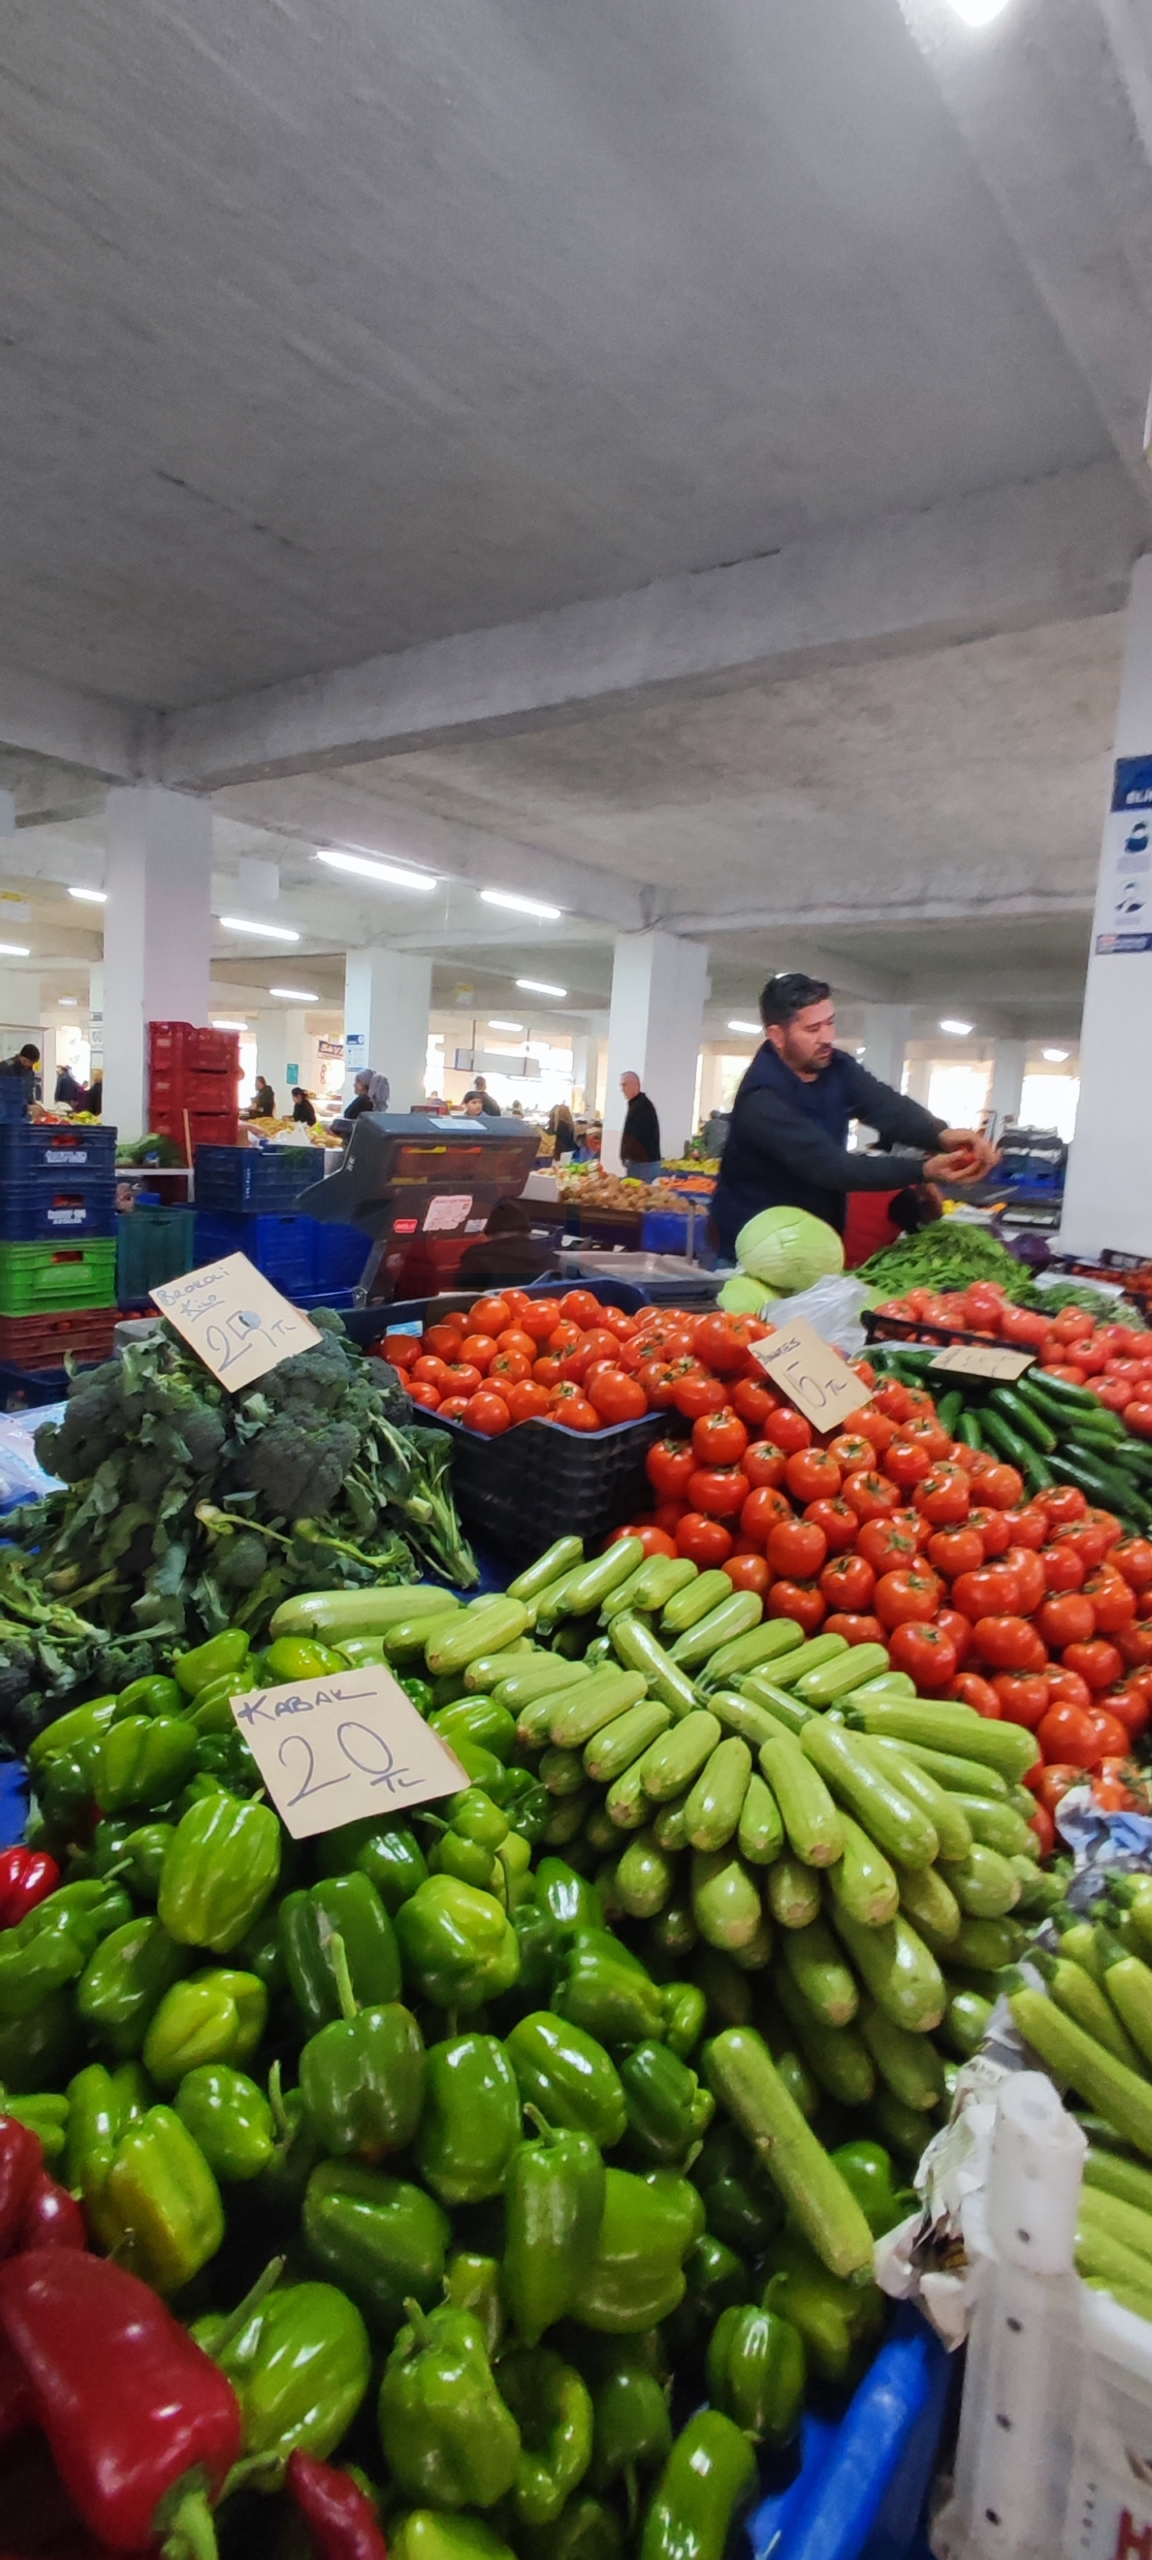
<point>562,1772</point>
<point>1023,1419</point>
<point>885,1684</point>
<point>670,1828</point>
<point>809,1814</point>
<point>1128,1983</point>
<point>968,1430</point>
<point>1000,1436</point>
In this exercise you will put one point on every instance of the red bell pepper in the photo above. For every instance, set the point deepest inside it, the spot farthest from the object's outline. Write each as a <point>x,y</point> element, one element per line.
<point>21,2161</point>
<point>143,2427</point>
<point>51,2219</point>
<point>27,1876</point>
<point>340,2518</point>
<point>17,2408</point>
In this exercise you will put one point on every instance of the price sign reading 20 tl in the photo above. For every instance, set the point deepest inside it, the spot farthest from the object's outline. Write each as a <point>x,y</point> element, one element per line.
<point>331,1750</point>
<point>812,1376</point>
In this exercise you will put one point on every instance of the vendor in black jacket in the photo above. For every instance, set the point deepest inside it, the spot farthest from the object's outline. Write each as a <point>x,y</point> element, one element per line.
<point>786,1146</point>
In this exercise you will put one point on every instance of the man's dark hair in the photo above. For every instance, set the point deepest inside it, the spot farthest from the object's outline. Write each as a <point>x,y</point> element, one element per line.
<point>789,994</point>
<point>31,1052</point>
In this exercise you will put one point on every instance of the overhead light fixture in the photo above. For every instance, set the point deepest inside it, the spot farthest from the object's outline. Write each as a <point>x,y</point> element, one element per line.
<point>539,987</point>
<point>69,1000</point>
<point>295,995</point>
<point>218,1024</point>
<point>387,875</point>
<point>753,1029</point>
<point>15,950</point>
<point>959,1030</point>
<point>978,13</point>
<point>263,932</point>
<point>520,906</point>
<point>496,1024</point>
<point>90,897</point>
<point>1055,1057</point>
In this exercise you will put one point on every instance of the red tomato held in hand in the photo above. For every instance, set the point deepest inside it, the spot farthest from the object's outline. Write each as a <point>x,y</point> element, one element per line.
<point>801,1601</point>
<point>856,1626</point>
<point>906,1595</point>
<point>797,1549</point>
<point>705,1542</point>
<point>972,1691</point>
<point>748,1573</point>
<point>838,1522</point>
<point>720,1491</point>
<point>487,1413</point>
<point>925,1653</point>
<point>764,1507</point>
<point>719,1439</point>
<point>1023,1697</point>
<point>1098,1662</point>
<point>848,1583</point>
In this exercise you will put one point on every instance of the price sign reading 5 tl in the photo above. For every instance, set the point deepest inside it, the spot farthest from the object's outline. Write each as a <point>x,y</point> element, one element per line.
<point>812,1376</point>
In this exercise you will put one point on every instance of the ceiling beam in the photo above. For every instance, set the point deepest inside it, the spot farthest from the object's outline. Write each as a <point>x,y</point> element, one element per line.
<point>83,729</point>
<point>874,919</point>
<point>1009,558</point>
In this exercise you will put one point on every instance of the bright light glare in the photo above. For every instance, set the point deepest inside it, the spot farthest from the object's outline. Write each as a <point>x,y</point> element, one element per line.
<point>752,1028</point>
<point>219,1025</point>
<point>539,987</point>
<point>263,932</point>
<point>15,950</point>
<point>959,1030</point>
<point>91,897</point>
<point>69,999</point>
<point>294,995</point>
<point>495,1023</point>
<point>978,13</point>
<point>386,875</point>
<point>1055,1057</point>
<point>520,906</point>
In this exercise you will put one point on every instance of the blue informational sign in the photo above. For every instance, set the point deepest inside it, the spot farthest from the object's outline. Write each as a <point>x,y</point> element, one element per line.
<point>1124,904</point>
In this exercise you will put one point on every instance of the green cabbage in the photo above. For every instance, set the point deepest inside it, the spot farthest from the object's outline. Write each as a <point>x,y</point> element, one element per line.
<point>744,1296</point>
<point>788,1249</point>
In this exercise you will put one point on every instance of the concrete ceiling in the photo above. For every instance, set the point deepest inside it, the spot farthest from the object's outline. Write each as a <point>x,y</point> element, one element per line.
<point>677,458</point>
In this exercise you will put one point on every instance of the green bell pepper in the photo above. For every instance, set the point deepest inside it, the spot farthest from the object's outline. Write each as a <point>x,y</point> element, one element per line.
<point>348,1906</point>
<point>635,2275</point>
<point>837,2319</point>
<point>221,1867</point>
<point>476,1720</point>
<point>445,2430</point>
<point>741,2207</point>
<point>143,1761</point>
<point>685,2017</point>
<point>470,2124</point>
<point>572,1902</point>
<point>102,2104</point>
<point>211,1710</point>
<point>216,2016</point>
<point>587,2530</point>
<point>380,2239</point>
<point>632,2428</point>
<point>552,2406</point>
<point>867,2169</point>
<point>473,2283</point>
<point>715,2277</point>
<point>52,1945</point>
<point>389,1853</point>
<point>73,1731</point>
<point>155,1695</point>
<point>667,2108</point>
<point>159,2211</point>
<point>536,1939</point>
<point>299,2361</point>
<point>227,1652</point>
<point>756,2373</point>
<point>299,1658</point>
<point>125,1981</point>
<point>427,2533</point>
<point>45,2113</point>
<point>604,1989</point>
<point>707,2483</point>
<point>362,2077</point>
<point>229,2117</point>
<point>42,2046</point>
<point>144,1850</point>
<point>457,1946</point>
<point>64,1800</point>
<point>568,2077</point>
<point>554,2206</point>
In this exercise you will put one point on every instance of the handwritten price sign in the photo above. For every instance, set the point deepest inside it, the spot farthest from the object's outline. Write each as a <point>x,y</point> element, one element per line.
<point>333,1750</point>
<point>970,1360</point>
<point>812,1376</point>
<point>234,1320</point>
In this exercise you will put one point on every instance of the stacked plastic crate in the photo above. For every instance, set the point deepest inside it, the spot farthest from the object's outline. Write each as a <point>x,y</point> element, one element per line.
<point>57,1238</point>
<point>193,1085</point>
<point>245,1203</point>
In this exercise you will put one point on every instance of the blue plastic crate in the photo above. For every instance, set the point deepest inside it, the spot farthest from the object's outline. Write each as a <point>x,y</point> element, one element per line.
<point>253,1178</point>
<point>66,1153</point>
<point>339,1255</point>
<point>341,1301</point>
<point>863,2480</point>
<point>280,1247</point>
<point>57,1208</point>
<point>15,1096</point>
<point>665,1231</point>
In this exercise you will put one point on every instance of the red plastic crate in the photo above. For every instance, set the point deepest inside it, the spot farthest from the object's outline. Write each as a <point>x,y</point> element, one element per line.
<point>40,1342</point>
<point>186,1048</point>
<point>206,1129</point>
<point>191,1089</point>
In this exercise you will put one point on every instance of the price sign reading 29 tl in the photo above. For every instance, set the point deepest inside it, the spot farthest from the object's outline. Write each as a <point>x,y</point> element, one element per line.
<point>234,1320</point>
<point>331,1750</point>
<point>812,1376</point>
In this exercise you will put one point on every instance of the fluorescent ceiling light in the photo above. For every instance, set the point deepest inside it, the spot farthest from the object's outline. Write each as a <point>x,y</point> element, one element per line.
<point>539,987</point>
<point>263,932</point>
<point>91,897</point>
<point>295,995</point>
<point>959,1030</point>
<point>1055,1057</point>
<point>520,906</point>
<point>978,13</point>
<point>69,999</point>
<point>387,875</point>
<point>495,1024</point>
<point>16,950</point>
<point>753,1028</point>
<point>219,1025</point>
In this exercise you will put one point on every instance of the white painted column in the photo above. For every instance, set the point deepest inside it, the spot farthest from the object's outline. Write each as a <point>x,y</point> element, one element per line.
<point>583,1064</point>
<point>919,1078</point>
<point>387,1000</point>
<point>1108,1197</point>
<point>157,933</point>
<point>1007,1086</point>
<point>655,1026</point>
<point>887,1029</point>
<point>96,1018</point>
<point>282,1042</point>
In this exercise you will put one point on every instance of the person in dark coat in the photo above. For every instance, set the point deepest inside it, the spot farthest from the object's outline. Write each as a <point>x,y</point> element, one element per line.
<point>640,1135</point>
<point>787,1146</point>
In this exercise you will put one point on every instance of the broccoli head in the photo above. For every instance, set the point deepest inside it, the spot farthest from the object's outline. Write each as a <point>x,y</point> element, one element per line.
<point>239,1562</point>
<point>203,1434</point>
<point>296,1467</point>
<point>88,1431</point>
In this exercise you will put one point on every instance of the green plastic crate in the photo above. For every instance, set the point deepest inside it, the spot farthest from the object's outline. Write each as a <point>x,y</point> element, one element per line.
<point>36,1278</point>
<point>152,1245</point>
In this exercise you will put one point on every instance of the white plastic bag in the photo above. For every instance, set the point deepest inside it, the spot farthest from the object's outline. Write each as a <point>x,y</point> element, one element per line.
<point>832,1307</point>
<point>22,1478</point>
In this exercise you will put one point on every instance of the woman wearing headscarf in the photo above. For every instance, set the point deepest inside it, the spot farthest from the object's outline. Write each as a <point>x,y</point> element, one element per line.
<point>371,1094</point>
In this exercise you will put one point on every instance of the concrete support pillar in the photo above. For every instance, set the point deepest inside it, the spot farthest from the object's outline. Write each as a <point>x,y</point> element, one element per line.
<point>1007,1086</point>
<point>387,998</point>
<point>96,1017</point>
<point>1108,1196</point>
<point>157,933</point>
<point>654,1030</point>
<point>887,1028</point>
<point>919,1076</point>
<point>282,1043</point>
<point>583,1068</point>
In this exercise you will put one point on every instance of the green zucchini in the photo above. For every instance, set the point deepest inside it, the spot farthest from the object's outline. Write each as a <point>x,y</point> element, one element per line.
<point>862,1881</point>
<point>634,1643</point>
<point>813,1825</point>
<point>735,1616</point>
<point>694,1601</point>
<point>899,1970</point>
<point>861,1783</point>
<point>984,1884</point>
<point>613,1750</point>
<point>816,1966</point>
<point>1117,2093</point>
<point>673,1762</point>
<point>743,2079</point>
<point>713,1810</point>
<point>845,1671</point>
<point>948,1727</point>
<point>562,1557</point>
<point>808,1657</point>
<point>837,2056</point>
<point>945,1812</point>
<point>792,1892</point>
<point>928,1901</point>
<point>760,1834</point>
<point>746,1653</point>
<point>908,2063</point>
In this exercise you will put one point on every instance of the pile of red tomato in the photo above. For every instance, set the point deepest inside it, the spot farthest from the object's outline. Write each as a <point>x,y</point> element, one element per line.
<point>1115,1360</point>
<point>514,1358</point>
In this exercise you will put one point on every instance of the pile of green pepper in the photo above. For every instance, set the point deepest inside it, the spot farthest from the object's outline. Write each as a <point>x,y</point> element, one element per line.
<point>454,2177</point>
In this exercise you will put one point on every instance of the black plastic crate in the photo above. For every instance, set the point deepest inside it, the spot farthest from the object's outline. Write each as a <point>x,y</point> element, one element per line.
<point>253,1177</point>
<point>540,1481</point>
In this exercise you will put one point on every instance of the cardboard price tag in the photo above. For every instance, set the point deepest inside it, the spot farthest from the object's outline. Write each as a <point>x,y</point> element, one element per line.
<point>234,1320</point>
<point>336,1748</point>
<point>813,1376</point>
<point>970,1360</point>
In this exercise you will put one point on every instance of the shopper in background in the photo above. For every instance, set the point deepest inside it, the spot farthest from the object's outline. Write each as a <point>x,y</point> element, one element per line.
<point>562,1127</point>
<point>787,1145</point>
<point>488,1102</point>
<point>93,1101</point>
<point>68,1090</point>
<point>640,1135</point>
<point>25,1063</point>
<point>507,1251</point>
<point>473,1104</point>
<point>302,1107</point>
<point>263,1103</point>
<point>371,1094</point>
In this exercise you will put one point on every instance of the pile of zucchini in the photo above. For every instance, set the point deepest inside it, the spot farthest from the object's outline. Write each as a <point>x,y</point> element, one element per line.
<point>1054,1432</point>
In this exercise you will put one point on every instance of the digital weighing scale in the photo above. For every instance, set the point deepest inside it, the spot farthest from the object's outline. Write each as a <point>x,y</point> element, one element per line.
<point>421,1191</point>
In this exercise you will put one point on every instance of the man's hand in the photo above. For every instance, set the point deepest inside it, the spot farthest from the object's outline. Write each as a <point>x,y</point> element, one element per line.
<point>969,1157</point>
